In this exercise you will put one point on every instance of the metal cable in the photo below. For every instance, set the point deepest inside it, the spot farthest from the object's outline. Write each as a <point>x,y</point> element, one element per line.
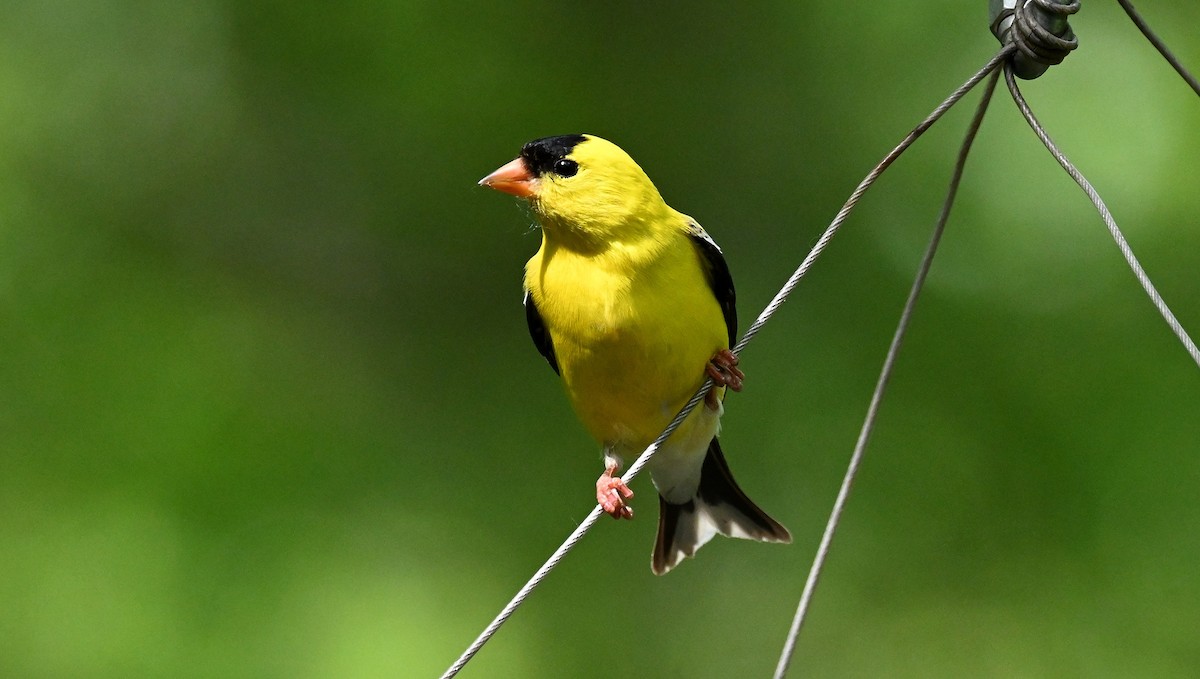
<point>769,311</point>
<point>1113,229</point>
<point>572,539</point>
<point>1159,45</point>
<point>885,373</point>
<point>862,187</point>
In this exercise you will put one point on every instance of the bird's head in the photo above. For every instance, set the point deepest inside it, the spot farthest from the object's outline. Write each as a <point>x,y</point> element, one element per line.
<point>582,187</point>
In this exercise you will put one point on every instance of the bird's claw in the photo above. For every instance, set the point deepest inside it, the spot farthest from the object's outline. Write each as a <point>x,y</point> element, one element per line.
<point>723,370</point>
<point>611,493</point>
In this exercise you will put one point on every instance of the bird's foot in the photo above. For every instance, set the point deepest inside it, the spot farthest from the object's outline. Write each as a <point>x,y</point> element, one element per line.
<point>723,370</point>
<point>611,493</point>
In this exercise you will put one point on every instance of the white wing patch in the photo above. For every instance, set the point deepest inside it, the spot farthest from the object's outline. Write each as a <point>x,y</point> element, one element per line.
<point>694,229</point>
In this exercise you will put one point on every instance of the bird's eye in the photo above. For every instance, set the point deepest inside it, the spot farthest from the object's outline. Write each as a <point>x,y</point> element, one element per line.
<point>565,167</point>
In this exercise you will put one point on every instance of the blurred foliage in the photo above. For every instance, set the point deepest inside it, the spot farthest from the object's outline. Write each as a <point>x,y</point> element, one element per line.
<point>268,407</point>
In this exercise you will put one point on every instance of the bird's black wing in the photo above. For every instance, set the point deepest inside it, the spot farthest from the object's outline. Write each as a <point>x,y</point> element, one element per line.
<point>717,273</point>
<point>537,330</point>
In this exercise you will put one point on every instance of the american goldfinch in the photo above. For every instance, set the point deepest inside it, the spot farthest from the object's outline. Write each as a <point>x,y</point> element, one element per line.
<point>632,304</point>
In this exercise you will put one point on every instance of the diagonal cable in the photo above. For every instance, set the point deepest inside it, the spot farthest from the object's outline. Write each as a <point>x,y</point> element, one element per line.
<point>769,311</point>
<point>1159,45</point>
<point>1123,245</point>
<point>814,574</point>
<point>866,184</point>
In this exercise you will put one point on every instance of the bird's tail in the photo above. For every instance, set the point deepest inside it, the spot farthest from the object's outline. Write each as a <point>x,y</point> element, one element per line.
<point>719,507</point>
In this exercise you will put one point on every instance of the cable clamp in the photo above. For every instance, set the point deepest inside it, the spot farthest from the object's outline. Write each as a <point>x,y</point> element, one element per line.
<point>1038,28</point>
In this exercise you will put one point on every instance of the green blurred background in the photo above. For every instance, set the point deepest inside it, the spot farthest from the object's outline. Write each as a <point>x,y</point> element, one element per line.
<point>268,407</point>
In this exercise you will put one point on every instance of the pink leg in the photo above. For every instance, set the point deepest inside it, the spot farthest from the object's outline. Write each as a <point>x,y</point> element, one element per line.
<point>611,493</point>
<point>723,370</point>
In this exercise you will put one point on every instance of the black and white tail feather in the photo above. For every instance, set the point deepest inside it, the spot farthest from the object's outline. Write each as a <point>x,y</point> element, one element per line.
<point>718,508</point>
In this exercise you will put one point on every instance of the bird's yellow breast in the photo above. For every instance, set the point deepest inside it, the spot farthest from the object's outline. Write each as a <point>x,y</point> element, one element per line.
<point>632,327</point>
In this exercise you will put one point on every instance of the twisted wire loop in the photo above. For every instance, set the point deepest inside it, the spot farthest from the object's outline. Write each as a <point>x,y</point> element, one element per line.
<point>1160,45</point>
<point>1037,42</point>
<point>1123,245</point>
<point>789,647</point>
<point>644,459</point>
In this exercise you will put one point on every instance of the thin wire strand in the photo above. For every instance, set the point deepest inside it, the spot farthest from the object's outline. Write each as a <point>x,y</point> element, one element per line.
<point>1159,45</point>
<point>571,540</point>
<point>814,574</point>
<point>1123,245</point>
<point>862,187</point>
<point>644,459</point>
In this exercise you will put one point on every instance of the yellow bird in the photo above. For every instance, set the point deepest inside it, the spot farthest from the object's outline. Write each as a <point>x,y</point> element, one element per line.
<point>632,304</point>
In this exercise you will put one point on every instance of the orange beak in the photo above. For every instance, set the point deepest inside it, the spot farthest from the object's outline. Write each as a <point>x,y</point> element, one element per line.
<point>513,178</point>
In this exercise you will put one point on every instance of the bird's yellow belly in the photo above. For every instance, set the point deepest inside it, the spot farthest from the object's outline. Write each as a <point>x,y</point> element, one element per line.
<point>625,388</point>
<point>631,352</point>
